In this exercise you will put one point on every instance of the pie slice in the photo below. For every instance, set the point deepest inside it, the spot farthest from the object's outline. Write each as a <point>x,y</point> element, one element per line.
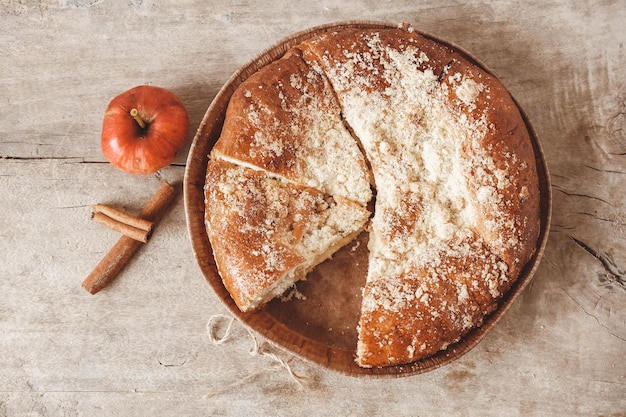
<point>411,313</point>
<point>285,119</point>
<point>267,233</point>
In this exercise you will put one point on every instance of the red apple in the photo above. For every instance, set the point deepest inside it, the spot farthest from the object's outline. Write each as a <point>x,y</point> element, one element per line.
<point>143,129</point>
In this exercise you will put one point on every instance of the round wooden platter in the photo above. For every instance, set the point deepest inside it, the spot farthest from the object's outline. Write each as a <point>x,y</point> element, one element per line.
<point>319,321</point>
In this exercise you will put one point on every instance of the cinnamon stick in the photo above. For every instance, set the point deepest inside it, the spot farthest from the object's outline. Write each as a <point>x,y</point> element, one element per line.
<point>123,228</point>
<point>122,217</point>
<point>121,253</point>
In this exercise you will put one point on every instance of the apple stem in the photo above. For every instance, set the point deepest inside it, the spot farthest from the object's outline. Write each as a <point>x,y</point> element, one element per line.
<point>138,119</point>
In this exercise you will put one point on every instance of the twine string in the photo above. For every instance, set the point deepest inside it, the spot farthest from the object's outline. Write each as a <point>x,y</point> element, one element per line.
<point>214,325</point>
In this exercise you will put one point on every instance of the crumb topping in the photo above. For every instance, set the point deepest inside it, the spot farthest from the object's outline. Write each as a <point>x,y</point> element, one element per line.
<point>414,141</point>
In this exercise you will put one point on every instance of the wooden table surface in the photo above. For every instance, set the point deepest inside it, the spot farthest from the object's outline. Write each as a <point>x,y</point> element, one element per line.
<point>142,346</point>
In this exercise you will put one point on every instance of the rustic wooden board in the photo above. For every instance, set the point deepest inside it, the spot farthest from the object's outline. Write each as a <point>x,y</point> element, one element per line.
<point>141,346</point>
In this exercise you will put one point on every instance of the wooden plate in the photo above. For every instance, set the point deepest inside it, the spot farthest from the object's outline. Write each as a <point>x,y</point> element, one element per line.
<point>322,326</point>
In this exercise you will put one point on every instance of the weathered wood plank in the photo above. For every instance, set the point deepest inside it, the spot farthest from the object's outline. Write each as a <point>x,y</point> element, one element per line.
<point>141,345</point>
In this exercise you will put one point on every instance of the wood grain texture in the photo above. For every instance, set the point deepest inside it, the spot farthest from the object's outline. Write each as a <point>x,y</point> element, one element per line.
<point>136,349</point>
